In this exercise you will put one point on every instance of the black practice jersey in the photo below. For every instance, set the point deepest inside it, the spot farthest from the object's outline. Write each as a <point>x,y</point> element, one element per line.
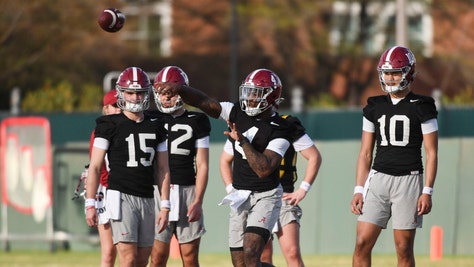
<point>260,132</point>
<point>398,132</point>
<point>183,131</point>
<point>288,174</point>
<point>131,152</point>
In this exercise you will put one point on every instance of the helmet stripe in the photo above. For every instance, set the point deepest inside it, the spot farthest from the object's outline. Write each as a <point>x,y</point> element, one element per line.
<point>165,73</point>
<point>389,54</point>
<point>135,75</point>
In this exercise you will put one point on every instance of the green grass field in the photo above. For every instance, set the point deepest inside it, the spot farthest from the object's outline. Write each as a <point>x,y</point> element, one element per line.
<point>91,259</point>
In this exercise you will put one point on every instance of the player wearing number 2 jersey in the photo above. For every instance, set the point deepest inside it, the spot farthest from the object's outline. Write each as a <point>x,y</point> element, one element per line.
<point>260,139</point>
<point>133,143</point>
<point>188,150</point>
<point>391,186</point>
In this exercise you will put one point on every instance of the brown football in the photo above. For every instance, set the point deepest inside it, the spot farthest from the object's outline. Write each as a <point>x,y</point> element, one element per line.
<point>111,20</point>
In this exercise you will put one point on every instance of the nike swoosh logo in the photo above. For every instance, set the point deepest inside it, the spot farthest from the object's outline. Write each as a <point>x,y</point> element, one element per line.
<point>413,100</point>
<point>153,119</point>
<point>191,115</point>
<point>274,123</point>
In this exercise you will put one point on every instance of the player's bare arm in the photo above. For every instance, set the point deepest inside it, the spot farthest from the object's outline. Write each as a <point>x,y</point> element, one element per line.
<point>263,164</point>
<point>313,156</point>
<point>225,167</point>
<point>363,168</point>
<point>163,173</point>
<point>430,142</point>
<point>202,171</point>
<point>192,97</point>
<point>97,159</point>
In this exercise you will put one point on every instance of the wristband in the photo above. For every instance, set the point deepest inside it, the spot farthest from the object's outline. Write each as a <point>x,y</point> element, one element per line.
<point>305,186</point>
<point>90,202</point>
<point>165,204</point>
<point>358,189</point>
<point>229,188</point>
<point>428,190</point>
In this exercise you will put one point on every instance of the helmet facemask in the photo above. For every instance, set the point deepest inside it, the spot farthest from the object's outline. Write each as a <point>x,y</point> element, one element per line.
<point>165,107</point>
<point>253,99</point>
<point>401,84</point>
<point>138,106</point>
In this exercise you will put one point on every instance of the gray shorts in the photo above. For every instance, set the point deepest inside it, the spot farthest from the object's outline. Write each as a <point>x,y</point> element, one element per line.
<point>288,213</point>
<point>137,222</point>
<point>393,197</point>
<point>260,210</point>
<point>185,231</point>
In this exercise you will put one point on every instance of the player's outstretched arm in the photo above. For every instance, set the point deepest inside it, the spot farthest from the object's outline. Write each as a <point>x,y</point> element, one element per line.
<point>192,97</point>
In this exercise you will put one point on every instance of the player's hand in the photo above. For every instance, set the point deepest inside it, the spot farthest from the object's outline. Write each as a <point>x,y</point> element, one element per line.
<point>424,204</point>
<point>162,220</point>
<point>194,212</point>
<point>295,197</point>
<point>166,88</point>
<point>91,217</point>
<point>357,203</point>
<point>233,133</point>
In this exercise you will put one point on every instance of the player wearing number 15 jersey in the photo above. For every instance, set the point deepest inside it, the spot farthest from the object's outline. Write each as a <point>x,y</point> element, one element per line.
<point>134,144</point>
<point>390,186</point>
<point>188,150</point>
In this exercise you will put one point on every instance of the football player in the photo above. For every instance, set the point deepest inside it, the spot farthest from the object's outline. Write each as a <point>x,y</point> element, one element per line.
<point>132,143</point>
<point>391,185</point>
<point>259,140</point>
<point>188,151</point>
<point>107,249</point>
<point>288,224</point>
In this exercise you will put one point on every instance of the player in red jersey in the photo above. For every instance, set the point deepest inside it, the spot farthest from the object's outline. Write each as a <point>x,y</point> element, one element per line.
<point>107,248</point>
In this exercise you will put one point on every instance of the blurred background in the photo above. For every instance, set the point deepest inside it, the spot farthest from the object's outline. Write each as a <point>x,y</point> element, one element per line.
<point>56,63</point>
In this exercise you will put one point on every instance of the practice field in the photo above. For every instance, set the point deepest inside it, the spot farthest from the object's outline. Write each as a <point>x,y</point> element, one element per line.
<point>91,259</point>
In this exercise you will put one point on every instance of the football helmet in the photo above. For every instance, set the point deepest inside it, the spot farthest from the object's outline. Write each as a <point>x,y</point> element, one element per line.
<point>133,79</point>
<point>260,91</point>
<point>397,59</point>
<point>170,74</point>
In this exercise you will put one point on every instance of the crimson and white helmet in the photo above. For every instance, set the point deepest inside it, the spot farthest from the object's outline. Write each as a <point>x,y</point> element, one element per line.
<point>397,59</point>
<point>133,79</point>
<point>260,91</point>
<point>171,74</point>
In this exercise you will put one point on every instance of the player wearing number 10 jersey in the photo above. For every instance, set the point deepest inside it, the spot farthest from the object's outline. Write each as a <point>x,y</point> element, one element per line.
<point>397,124</point>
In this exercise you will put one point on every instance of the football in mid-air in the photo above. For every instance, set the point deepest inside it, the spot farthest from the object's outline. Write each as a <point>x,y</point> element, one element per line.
<point>111,20</point>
